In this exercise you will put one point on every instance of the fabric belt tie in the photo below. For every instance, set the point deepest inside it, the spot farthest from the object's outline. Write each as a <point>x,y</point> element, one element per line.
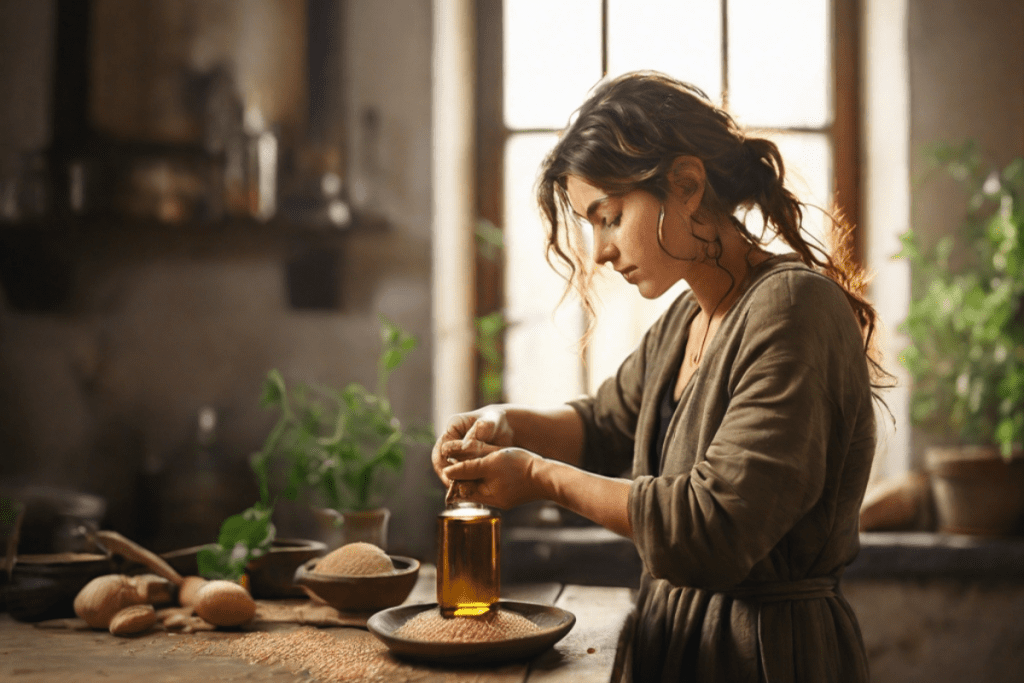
<point>779,591</point>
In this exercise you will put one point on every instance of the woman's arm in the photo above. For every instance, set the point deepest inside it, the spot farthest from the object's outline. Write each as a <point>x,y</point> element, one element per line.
<point>508,477</point>
<point>555,433</point>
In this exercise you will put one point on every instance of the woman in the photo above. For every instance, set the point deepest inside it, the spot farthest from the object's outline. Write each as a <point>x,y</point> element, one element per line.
<point>745,413</point>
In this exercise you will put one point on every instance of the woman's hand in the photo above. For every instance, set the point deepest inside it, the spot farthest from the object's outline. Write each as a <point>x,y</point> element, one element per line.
<point>507,477</point>
<point>471,435</point>
<point>498,477</point>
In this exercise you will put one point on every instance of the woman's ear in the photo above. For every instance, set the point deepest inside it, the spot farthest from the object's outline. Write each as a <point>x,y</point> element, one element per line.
<point>688,180</point>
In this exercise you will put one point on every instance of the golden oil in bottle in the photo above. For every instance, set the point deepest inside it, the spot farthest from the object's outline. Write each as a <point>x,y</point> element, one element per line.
<point>468,560</point>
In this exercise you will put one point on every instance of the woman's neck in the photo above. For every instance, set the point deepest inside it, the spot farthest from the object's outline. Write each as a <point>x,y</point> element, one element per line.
<point>717,284</point>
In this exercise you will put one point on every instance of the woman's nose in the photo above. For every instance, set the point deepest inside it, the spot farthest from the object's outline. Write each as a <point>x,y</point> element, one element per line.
<point>604,248</point>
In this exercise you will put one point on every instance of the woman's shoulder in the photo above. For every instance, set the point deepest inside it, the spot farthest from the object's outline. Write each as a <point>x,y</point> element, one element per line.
<point>786,283</point>
<point>793,302</point>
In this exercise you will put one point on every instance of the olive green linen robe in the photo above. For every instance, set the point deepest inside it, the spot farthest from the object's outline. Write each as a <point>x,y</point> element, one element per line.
<point>747,528</point>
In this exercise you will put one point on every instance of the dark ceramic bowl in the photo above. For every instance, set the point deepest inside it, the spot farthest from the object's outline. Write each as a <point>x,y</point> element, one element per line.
<point>273,575</point>
<point>553,623</point>
<point>270,576</point>
<point>361,593</point>
<point>45,586</point>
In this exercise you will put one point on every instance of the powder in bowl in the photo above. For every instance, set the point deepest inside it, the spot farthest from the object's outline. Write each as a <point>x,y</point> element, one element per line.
<point>356,559</point>
<point>493,626</point>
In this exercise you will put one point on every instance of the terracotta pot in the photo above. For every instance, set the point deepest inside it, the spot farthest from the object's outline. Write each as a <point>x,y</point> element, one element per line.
<point>976,490</point>
<point>351,526</point>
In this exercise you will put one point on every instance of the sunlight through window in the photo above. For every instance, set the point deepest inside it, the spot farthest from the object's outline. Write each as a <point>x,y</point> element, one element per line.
<point>779,63</point>
<point>552,58</point>
<point>770,62</point>
<point>542,338</point>
<point>679,38</point>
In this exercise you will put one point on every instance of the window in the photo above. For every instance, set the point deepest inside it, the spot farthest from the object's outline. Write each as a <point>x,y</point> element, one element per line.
<point>786,68</point>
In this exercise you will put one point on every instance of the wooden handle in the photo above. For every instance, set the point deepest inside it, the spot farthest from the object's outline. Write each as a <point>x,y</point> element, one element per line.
<point>116,543</point>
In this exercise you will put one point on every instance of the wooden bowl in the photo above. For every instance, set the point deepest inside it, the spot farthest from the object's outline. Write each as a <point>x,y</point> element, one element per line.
<point>360,593</point>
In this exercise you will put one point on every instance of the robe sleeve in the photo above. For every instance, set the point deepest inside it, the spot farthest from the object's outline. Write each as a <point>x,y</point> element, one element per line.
<point>765,466</point>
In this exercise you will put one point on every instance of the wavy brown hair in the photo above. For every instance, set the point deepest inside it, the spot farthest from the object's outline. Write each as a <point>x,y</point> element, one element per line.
<point>626,137</point>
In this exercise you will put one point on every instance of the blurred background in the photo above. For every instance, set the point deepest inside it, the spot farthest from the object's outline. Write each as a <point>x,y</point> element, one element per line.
<point>195,192</point>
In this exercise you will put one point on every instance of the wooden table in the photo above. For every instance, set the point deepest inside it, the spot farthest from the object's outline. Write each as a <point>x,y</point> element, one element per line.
<point>590,652</point>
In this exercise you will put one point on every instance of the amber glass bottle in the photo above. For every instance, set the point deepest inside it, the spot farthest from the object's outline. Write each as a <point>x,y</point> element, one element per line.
<point>468,559</point>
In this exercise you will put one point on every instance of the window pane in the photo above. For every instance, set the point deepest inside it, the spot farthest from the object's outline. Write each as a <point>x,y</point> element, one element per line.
<point>683,39</point>
<point>542,363</point>
<point>779,62</point>
<point>808,160</point>
<point>552,58</point>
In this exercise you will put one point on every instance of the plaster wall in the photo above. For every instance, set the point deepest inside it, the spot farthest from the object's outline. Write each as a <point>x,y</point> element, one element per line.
<point>966,83</point>
<point>103,397</point>
<point>940,630</point>
<point>934,72</point>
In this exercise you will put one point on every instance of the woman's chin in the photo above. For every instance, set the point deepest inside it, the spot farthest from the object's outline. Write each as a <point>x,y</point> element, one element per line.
<point>651,290</point>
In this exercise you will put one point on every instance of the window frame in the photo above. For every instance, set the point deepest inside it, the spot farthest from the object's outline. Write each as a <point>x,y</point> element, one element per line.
<point>492,135</point>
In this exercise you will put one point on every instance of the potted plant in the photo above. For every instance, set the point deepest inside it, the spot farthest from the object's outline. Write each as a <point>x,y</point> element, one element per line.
<point>965,325</point>
<point>340,450</point>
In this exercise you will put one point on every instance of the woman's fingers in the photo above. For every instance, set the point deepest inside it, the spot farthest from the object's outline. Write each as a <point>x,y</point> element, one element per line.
<point>485,428</point>
<point>458,451</point>
<point>463,450</point>
<point>475,430</point>
<point>502,478</point>
<point>455,433</point>
<point>470,435</point>
<point>472,468</point>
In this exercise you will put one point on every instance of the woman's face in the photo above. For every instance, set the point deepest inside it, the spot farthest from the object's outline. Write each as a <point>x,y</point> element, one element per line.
<point>625,229</point>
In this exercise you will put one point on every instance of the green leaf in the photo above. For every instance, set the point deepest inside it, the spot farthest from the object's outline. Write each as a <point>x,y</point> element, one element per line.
<point>274,390</point>
<point>965,320</point>
<point>251,527</point>
<point>490,240</point>
<point>243,537</point>
<point>9,510</point>
<point>908,247</point>
<point>393,358</point>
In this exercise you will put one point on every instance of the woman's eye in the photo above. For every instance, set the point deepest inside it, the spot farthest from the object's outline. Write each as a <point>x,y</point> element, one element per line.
<point>614,223</point>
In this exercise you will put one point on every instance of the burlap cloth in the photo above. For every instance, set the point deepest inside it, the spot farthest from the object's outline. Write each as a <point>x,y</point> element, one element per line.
<point>306,612</point>
<point>291,611</point>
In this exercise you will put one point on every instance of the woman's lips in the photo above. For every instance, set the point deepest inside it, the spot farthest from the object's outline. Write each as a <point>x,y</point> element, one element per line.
<point>628,273</point>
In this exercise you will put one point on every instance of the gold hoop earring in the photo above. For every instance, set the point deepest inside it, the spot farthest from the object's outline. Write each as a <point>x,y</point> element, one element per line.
<point>661,221</point>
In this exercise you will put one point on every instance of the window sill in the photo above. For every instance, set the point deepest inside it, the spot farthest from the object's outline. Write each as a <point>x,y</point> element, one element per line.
<point>595,556</point>
<point>925,555</point>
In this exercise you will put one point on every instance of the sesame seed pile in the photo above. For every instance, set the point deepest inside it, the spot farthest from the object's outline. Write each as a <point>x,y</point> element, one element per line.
<point>498,624</point>
<point>312,650</point>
